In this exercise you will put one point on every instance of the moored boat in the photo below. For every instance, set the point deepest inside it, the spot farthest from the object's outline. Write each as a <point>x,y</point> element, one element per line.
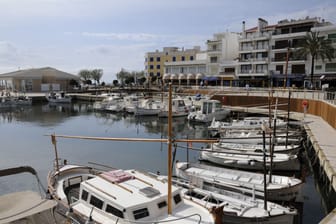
<point>238,208</point>
<point>280,188</point>
<point>123,196</point>
<point>209,110</point>
<point>251,161</point>
<point>58,97</point>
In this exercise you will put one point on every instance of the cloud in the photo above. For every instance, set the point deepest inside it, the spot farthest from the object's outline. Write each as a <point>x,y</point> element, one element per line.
<point>123,36</point>
<point>8,52</point>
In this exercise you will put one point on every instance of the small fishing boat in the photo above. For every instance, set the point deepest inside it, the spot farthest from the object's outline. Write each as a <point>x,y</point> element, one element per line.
<point>58,97</point>
<point>148,107</point>
<point>251,161</point>
<point>216,179</point>
<point>238,208</point>
<point>179,109</point>
<point>291,148</point>
<point>120,196</point>
<point>209,110</point>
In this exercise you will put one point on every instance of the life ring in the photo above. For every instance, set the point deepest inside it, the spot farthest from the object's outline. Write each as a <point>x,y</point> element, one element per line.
<point>305,103</point>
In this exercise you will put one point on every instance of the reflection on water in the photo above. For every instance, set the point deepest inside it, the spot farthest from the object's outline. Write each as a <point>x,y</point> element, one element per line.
<point>23,142</point>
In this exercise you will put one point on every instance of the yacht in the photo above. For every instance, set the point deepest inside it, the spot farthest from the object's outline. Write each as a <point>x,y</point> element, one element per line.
<point>209,110</point>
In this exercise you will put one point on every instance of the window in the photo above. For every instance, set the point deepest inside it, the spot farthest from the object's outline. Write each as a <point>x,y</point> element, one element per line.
<point>151,59</point>
<point>140,213</point>
<point>114,211</point>
<point>330,67</point>
<point>96,202</point>
<point>162,204</point>
<point>85,195</point>
<point>213,59</point>
<point>158,66</point>
<point>158,74</point>
<point>318,67</point>
<point>177,198</point>
<point>151,67</point>
<point>182,58</point>
<point>191,58</point>
<point>158,59</point>
<point>174,58</point>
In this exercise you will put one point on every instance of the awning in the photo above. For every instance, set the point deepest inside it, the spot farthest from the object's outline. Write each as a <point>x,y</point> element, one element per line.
<point>199,76</point>
<point>190,76</point>
<point>166,76</point>
<point>182,76</point>
<point>173,76</point>
<point>210,78</point>
<point>298,77</point>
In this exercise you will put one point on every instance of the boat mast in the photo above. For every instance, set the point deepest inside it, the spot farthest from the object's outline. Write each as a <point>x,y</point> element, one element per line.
<point>170,150</point>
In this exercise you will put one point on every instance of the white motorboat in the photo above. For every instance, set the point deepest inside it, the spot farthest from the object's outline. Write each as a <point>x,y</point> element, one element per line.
<point>130,103</point>
<point>58,97</point>
<point>251,161</point>
<point>209,110</point>
<point>148,107</point>
<point>120,196</point>
<point>291,148</point>
<point>111,103</point>
<point>179,108</point>
<point>238,208</point>
<point>216,179</point>
<point>9,101</point>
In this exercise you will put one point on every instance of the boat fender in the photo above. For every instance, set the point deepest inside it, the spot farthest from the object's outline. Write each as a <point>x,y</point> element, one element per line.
<point>243,162</point>
<point>252,163</point>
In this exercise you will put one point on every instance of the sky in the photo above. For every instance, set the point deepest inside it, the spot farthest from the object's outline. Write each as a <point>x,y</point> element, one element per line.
<point>71,35</point>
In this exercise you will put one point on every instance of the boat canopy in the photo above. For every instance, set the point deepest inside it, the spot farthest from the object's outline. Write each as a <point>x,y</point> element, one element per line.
<point>22,204</point>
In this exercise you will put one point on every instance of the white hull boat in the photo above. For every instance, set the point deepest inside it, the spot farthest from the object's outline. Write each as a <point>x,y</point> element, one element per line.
<point>292,149</point>
<point>216,179</point>
<point>238,208</point>
<point>61,97</point>
<point>179,109</point>
<point>251,161</point>
<point>120,196</point>
<point>210,109</point>
<point>148,107</point>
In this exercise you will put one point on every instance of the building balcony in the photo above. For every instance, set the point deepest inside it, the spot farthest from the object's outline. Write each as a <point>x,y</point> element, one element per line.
<point>254,36</point>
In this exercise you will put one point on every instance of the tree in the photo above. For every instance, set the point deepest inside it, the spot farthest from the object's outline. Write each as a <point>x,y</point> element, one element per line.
<point>85,75</point>
<point>115,82</point>
<point>316,47</point>
<point>96,75</point>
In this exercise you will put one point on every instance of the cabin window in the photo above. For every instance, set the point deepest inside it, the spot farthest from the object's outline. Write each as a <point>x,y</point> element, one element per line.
<point>85,195</point>
<point>140,213</point>
<point>177,198</point>
<point>162,204</point>
<point>96,202</point>
<point>114,211</point>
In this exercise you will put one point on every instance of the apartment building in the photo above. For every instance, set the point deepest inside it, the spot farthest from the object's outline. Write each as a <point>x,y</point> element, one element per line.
<point>222,57</point>
<point>186,72</point>
<point>325,71</point>
<point>155,61</point>
<point>267,52</point>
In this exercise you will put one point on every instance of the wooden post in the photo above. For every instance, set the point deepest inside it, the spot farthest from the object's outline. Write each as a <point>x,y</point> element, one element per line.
<point>170,150</point>
<point>53,140</point>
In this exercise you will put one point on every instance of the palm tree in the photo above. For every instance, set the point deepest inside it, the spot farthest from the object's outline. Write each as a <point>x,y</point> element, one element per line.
<point>316,47</point>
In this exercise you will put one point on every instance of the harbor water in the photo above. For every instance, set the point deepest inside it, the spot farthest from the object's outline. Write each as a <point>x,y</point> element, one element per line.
<point>25,140</point>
